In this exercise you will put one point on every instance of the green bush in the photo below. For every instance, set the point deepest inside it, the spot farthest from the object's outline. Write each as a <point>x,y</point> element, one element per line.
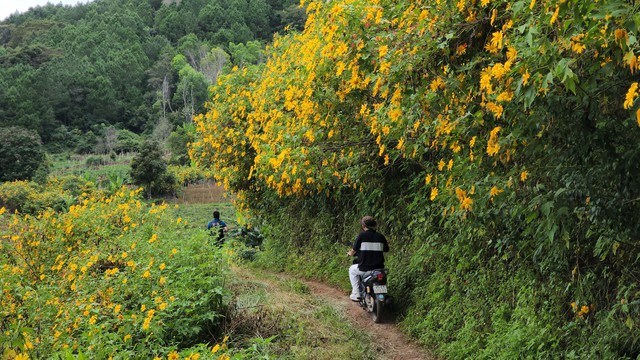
<point>31,198</point>
<point>21,153</point>
<point>94,161</point>
<point>149,169</point>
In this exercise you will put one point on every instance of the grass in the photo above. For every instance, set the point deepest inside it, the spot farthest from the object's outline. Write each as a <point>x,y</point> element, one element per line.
<point>299,325</point>
<point>77,165</point>
<point>198,215</point>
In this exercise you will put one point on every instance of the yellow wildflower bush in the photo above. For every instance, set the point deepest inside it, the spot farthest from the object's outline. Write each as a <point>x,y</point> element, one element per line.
<point>499,139</point>
<point>369,79</point>
<point>105,276</point>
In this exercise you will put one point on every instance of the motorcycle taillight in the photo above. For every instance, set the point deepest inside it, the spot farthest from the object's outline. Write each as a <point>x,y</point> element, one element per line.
<point>380,276</point>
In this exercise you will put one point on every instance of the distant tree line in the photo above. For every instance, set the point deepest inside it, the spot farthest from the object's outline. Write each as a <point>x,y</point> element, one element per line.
<point>96,76</point>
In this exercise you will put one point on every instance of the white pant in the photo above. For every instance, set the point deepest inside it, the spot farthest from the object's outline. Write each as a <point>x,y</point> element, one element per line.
<point>354,276</point>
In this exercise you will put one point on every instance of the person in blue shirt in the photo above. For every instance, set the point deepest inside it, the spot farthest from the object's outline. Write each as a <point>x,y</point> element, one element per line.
<point>217,227</point>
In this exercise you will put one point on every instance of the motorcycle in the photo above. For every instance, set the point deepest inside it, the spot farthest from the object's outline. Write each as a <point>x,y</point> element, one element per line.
<point>374,297</point>
<point>373,293</point>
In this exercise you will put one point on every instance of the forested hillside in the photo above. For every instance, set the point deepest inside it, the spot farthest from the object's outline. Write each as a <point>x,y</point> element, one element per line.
<point>497,143</point>
<point>81,76</point>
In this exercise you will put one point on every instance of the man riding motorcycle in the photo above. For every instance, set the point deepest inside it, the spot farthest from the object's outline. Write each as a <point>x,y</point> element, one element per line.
<point>369,249</point>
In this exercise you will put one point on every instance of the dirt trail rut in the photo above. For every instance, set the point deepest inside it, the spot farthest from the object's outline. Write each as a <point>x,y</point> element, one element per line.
<point>392,344</point>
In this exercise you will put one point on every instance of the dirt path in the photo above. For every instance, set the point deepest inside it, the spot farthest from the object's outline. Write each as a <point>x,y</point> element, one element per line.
<point>387,340</point>
<point>392,344</point>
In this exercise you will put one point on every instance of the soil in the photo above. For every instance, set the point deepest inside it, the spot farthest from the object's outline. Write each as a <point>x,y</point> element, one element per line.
<point>391,343</point>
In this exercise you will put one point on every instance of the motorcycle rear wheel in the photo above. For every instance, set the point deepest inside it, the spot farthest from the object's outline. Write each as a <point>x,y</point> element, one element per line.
<point>376,314</point>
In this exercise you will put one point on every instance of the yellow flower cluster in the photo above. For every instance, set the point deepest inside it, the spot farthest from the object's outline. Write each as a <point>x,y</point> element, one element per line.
<point>71,275</point>
<point>397,81</point>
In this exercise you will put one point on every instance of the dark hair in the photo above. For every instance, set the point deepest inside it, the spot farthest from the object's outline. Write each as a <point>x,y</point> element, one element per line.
<point>216,214</point>
<point>369,222</point>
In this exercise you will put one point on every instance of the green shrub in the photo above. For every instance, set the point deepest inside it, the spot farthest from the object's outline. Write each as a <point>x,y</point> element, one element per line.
<point>149,169</point>
<point>95,161</point>
<point>21,153</point>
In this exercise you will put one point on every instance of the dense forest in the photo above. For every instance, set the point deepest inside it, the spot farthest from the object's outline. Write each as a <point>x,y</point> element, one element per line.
<point>90,77</point>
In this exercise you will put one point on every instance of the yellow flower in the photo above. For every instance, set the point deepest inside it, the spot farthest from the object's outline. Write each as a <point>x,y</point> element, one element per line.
<point>466,203</point>
<point>162,266</point>
<point>576,45</point>
<point>632,93</point>
<point>434,193</point>
<point>620,35</point>
<point>127,337</point>
<point>441,165</point>
<point>525,77</point>
<point>153,239</point>
<point>495,191</point>
<point>427,180</point>
<point>496,42</point>
<point>146,274</point>
<point>173,355</point>
<point>174,251</point>
<point>21,357</point>
<point>524,175</point>
<point>584,310</point>
<point>554,17</point>
<point>117,309</point>
<point>383,50</point>
<point>492,146</point>
<point>215,349</point>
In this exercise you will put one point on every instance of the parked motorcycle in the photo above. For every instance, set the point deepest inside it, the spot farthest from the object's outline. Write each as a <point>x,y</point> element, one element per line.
<point>373,293</point>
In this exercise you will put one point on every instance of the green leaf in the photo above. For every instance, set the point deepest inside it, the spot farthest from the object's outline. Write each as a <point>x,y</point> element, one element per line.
<point>552,233</point>
<point>570,84</point>
<point>529,96</point>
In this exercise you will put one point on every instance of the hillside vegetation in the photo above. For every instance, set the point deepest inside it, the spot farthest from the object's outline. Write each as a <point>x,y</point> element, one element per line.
<point>89,76</point>
<point>496,142</point>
